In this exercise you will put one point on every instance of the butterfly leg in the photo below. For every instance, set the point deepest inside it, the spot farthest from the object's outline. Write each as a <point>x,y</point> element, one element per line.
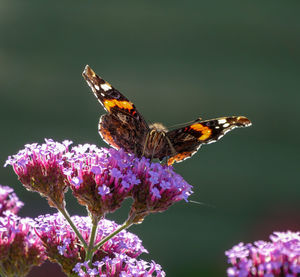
<point>172,154</point>
<point>145,144</point>
<point>173,151</point>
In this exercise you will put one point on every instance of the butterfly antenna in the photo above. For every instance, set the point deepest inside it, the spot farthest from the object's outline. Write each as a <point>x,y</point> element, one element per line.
<point>202,203</point>
<point>185,123</point>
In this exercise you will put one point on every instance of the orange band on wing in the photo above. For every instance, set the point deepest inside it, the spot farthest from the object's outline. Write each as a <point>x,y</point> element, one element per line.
<point>206,131</point>
<point>110,103</point>
<point>179,157</point>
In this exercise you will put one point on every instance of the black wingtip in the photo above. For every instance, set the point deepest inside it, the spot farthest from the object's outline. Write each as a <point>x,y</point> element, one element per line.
<point>88,72</point>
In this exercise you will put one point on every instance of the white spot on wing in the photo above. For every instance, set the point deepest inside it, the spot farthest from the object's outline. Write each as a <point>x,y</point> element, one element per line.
<point>97,87</point>
<point>221,121</point>
<point>226,125</point>
<point>105,87</point>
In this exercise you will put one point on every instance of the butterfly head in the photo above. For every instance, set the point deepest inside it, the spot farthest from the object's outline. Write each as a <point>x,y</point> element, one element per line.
<point>158,127</point>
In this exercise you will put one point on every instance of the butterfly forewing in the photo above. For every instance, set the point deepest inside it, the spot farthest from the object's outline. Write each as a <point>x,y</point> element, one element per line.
<point>123,126</point>
<point>187,140</point>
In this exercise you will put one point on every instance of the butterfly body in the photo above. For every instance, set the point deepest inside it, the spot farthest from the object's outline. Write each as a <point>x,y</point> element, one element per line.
<point>124,127</point>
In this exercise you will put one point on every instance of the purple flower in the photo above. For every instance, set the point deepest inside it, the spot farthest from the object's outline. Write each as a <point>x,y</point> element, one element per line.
<point>280,257</point>
<point>116,173</point>
<point>119,265</point>
<point>155,192</point>
<point>40,168</point>
<point>103,190</point>
<point>63,246</point>
<point>20,247</point>
<point>76,181</point>
<point>9,201</point>
<point>154,177</point>
<point>132,179</point>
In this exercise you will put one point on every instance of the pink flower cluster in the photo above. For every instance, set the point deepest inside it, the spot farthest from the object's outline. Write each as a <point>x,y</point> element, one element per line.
<point>9,201</point>
<point>20,247</point>
<point>26,242</point>
<point>40,168</point>
<point>120,265</point>
<point>280,257</point>
<point>62,245</point>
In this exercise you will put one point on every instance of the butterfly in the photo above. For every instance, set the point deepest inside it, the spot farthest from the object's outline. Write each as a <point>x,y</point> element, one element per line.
<point>124,127</point>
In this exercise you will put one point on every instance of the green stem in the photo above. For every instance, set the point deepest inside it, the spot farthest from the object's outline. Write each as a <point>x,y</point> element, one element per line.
<point>89,251</point>
<point>2,272</point>
<point>126,225</point>
<point>66,215</point>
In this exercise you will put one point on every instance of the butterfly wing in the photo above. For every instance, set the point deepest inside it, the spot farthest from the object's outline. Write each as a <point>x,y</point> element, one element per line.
<point>123,126</point>
<point>186,141</point>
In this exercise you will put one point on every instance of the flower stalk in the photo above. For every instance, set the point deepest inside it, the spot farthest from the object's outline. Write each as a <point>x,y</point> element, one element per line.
<point>89,250</point>
<point>125,226</point>
<point>66,215</point>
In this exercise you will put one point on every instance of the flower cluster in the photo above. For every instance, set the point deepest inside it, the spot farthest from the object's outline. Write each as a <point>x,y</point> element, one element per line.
<point>20,248</point>
<point>280,257</point>
<point>120,265</point>
<point>160,188</point>
<point>63,246</point>
<point>102,178</point>
<point>40,168</point>
<point>9,201</point>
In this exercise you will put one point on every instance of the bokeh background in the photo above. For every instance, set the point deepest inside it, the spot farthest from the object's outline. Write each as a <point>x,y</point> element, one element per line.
<point>177,61</point>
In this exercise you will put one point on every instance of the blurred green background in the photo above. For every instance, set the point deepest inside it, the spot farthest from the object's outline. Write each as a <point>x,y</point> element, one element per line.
<point>177,61</point>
